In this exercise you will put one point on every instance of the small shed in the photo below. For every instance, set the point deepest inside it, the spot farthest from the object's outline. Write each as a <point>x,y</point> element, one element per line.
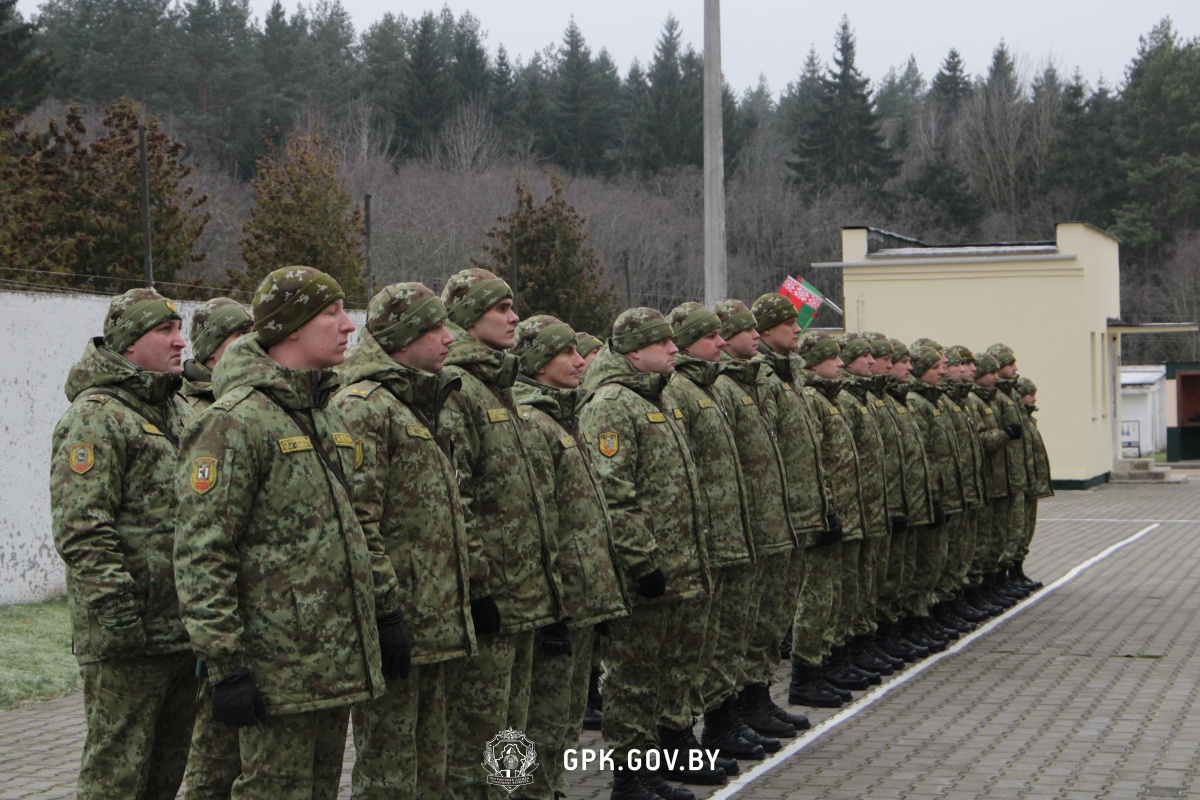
<point>1143,410</point>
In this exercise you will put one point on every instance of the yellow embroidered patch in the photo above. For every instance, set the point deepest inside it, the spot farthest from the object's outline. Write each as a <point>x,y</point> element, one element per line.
<point>343,439</point>
<point>655,416</point>
<point>937,413</point>
<point>987,410</point>
<point>879,404</point>
<point>82,457</point>
<point>497,415</point>
<point>678,414</point>
<point>958,409</point>
<point>204,474</point>
<point>747,400</point>
<point>901,410</point>
<point>567,442</point>
<point>295,444</point>
<point>419,431</point>
<point>706,403</point>
<point>609,443</point>
<point>360,391</point>
<point>862,410</point>
<point>358,453</point>
<point>152,429</point>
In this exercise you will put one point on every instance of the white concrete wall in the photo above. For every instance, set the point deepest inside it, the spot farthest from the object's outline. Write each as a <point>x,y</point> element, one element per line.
<point>43,335</point>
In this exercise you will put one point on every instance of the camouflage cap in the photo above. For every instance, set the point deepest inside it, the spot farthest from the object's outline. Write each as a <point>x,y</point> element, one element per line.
<point>853,346</point>
<point>881,346</point>
<point>899,350</point>
<point>1003,353</point>
<point>1025,386</point>
<point>469,294</point>
<point>985,363</point>
<point>735,317</point>
<point>586,343</point>
<point>214,322</point>
<point>540,339</point>
<point>131,315</point>
<point>401,313</point>
<point>289,297</point>
<point>953,356</point>
<point>771,309</point>
<point>924,357</point>
<point>925,341</point>
<point>638,327</point>
<point>690,322</point>
<point>818,346</point>
<point>965,354</point>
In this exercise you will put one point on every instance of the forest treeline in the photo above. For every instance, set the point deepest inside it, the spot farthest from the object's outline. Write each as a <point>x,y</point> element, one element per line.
<point>448,133</point>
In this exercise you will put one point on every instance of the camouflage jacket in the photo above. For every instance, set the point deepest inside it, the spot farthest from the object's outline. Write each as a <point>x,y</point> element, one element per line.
<point>112,498</point>
<point>933,409</point>
<point>736,392</point>
<point>839,456</point>
<point>405,494</point>
<point>689,395</point>
<point>915,469</point>
<point>197,385</point>
<point>992,441</point>
<point>889,433</point>
<point>792,418</point>
<point>859,410</point>
<point>966,433</point>
<point>272,567</point>
<point>1040,484</point>
<point>1007,408</point>
<point>576,511</point>
<point>645,466</point>
<point>512,550</point>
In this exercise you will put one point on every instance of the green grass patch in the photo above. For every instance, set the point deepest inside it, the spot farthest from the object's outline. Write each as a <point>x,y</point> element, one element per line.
<point>35,659</point>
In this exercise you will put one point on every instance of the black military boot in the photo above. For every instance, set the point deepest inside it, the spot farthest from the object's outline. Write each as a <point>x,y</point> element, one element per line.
<point>992,594</point>
<point>760,720</point>
<point>976,598</point>
<point>842,674</point>
<point>669,791</point>
<point>632,785</point>
<point>675,743</point>
<point>728,765</point>
<point>769,744</point>
<point>944,613</point>
<point>762,694</point>
<point>965,610</point>
<point>1006,587</point>
<point>804,690</point>
<point>891,641</point>
<point>719,734</point>
<point>592,714</point>
<point>861,655</point>
<point>1030,583</point>
<point>920,630</point>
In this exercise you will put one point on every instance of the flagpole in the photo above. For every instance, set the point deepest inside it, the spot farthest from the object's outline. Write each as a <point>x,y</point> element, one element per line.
<point>827,302</point>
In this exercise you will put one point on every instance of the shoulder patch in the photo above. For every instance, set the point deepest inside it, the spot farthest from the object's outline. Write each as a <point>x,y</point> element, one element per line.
<point>747,400</point>
<point>362,389</point>
<point>97,398</point>
<point>358,453</point>
<point>609,443</point>
<point>656,416</point>
<point>901,409</point>
<point>343,439</point>
<point>152,429</point>
<point>879,404</point>
<point>295,444</point>
<point>497,415</point>
<point>82,456</point>
<point>203,474</point>
<point>706,403</point>
<point>567,442</point>
<point>937,412</point>
<point>862,410</point>
<point>232,398</point>
<point>419,431</point>
<point>525,412</point>
<point>679,412</point>
<point>987,410</point>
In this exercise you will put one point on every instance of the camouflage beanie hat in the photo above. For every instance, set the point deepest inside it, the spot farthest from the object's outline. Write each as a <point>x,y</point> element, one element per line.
<point>965,355</point>
<point>133,314</point>
<point>899,350</point>
<point>400,313</point>
<point>953,356</point>
<point>986,363</point>
<point>818,346</point>
<point>1003,353</point>
<point>853,346</point>
<point>925,341</point>
<point>735,317</point>
<point>772,309</point>
<point>881,346</point>
<point>638,327</point>
<point>214,322</point>
<point>586,343</point>
<point>924,357</point>
<point>690,322</point>
<point>539,340</point>
<point>469,294</point>
<point>289,297</point>
<point>1025,386</point>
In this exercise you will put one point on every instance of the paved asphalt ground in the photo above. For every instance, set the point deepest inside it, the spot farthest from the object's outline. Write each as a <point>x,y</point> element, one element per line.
<point>1085,691</point>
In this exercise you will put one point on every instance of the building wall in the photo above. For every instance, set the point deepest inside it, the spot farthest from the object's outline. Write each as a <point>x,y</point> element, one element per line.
<point>1051,307</point>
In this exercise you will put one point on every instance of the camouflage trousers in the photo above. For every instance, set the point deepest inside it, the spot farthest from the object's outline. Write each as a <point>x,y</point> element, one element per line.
<point>819,605</point>
<point>960,554</point>
<point>557,700</point>
<point>931,552</point>
<point>986,552</point>
<point>774,592</point>
<point>485,694</point>
<point>851,600</point>
<point>872,572</point>
<point>1022,550</point>
<point>697,644</point>
<point>1013,529</point>
<point>293,756</point>
<point>901,567</point>
<point>731,621</point>
<point>139,726</point>
<point>400,738</point>
<point>215,760</point>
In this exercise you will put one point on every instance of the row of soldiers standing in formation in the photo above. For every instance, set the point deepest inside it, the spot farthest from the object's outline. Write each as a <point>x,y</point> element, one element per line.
<point>444,553</point>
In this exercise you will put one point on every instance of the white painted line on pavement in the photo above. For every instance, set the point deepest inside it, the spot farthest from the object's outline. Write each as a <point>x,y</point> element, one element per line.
<point>808,737</point>
<point>1134,519</point>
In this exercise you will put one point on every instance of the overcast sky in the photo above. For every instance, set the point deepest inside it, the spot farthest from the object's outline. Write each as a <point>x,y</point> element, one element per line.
<point>772,37</point>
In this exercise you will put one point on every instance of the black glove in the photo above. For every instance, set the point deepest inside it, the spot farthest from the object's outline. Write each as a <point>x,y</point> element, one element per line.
<point>939,513</point>
<point>899,523</point>
<point>122,634</point>
<point>395,646</point>
<point>236,700</point>
<point>603,628</point>
<point>833,531</point>
<point>1013,429</point>
<point>652,585</point>
<point>555,639</point>
<point>486,615</point>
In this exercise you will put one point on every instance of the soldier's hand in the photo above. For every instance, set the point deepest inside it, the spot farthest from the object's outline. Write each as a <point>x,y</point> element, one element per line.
<point>555,639</point>
<point>395,646</point>
<point>1013,429</point>
<point>899,523</point>
<point>652,585</point>
<point>603,628</point>
<point>236,700</point>
<point>122,634</point>
<point>939,513</point>
<point>833,530</point>
<point>486,615</point>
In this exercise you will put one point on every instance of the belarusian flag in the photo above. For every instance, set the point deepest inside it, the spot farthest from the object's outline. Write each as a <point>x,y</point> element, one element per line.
<point>804,297</point>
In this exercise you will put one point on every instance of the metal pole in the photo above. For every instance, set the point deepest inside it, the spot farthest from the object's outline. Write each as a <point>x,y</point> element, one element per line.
<point>716,277</point>
<point>370,274</point>
<point>145,181</point>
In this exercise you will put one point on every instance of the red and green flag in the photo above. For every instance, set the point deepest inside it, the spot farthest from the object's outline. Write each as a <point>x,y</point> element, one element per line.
<point>804,297</point>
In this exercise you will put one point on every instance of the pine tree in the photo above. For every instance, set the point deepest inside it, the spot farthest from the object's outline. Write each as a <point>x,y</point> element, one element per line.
<point>25,69</point>
<point>330,57</point>
<point>897,101</point>
<point>801,101</point>
<point>469,71</point>
<point>385,67</point>
<point>427,86</point>
<point>951,86</point>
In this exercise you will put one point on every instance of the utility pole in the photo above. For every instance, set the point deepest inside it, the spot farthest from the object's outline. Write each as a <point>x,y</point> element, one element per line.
<point>370,273</point>
<point>716,279</point>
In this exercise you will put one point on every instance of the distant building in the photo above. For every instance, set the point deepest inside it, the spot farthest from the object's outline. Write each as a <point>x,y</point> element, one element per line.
<point>1143,410</point>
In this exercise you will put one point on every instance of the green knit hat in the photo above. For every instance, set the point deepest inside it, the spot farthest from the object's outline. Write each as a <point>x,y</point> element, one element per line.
<point>735,317</point>
<point>899,350</point>
<point>469,294</point>
<point>923,357</point>
<point>586,343</point>
<point>638,327</point>
<point>401,313</point>
<point>134,314</point>
<point>1025,386</point>
<point>965,354</point>
<point>289,297</point>
<point>818,346</point>
<point>540,339</point>
<point>1003,353</point>
<point>772,309</point>
<point>853,345</point>
<point>214,322</point>
<point>690,322</point>
<point>925,341</point>
<point>953,356</point>
<point>881,347</point>
<point>986,363</point>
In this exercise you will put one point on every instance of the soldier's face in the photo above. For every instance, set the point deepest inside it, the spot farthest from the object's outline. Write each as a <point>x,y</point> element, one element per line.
<point>321,342</point>
<point>159,349</point>
<point>988,381</point>
<point>708,347</point>
<point>743,345</point>
<point>882,365</point>
<point>954,372</point>
<point>564,371</point>
<point>829,369</point>
<point>902,370</point>
<point>428,351</point>
<point>861,366</point>
<point>587,361</point>
<point>658,357</point>
<point>783,338</point>
<point>497,327</point>
<point>969,371</point>
<point>1029,399</point>
<point>1008,371</point>
<point>230,339</point>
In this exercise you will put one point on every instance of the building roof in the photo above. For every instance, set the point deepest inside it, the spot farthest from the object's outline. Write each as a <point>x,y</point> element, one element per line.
<point>1142,375</point>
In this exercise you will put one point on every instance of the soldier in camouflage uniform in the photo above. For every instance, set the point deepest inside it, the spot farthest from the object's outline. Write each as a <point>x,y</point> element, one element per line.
<point>1006,583</point>
<point>406,494</point>
<point>645,466</point>
<point>588,347</point>
<point>216,324</point>
<point>1038,469</point>
<point>273,570</point>
<point>515,588</point>
<point>577,516</point>
<point>112,507</point>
